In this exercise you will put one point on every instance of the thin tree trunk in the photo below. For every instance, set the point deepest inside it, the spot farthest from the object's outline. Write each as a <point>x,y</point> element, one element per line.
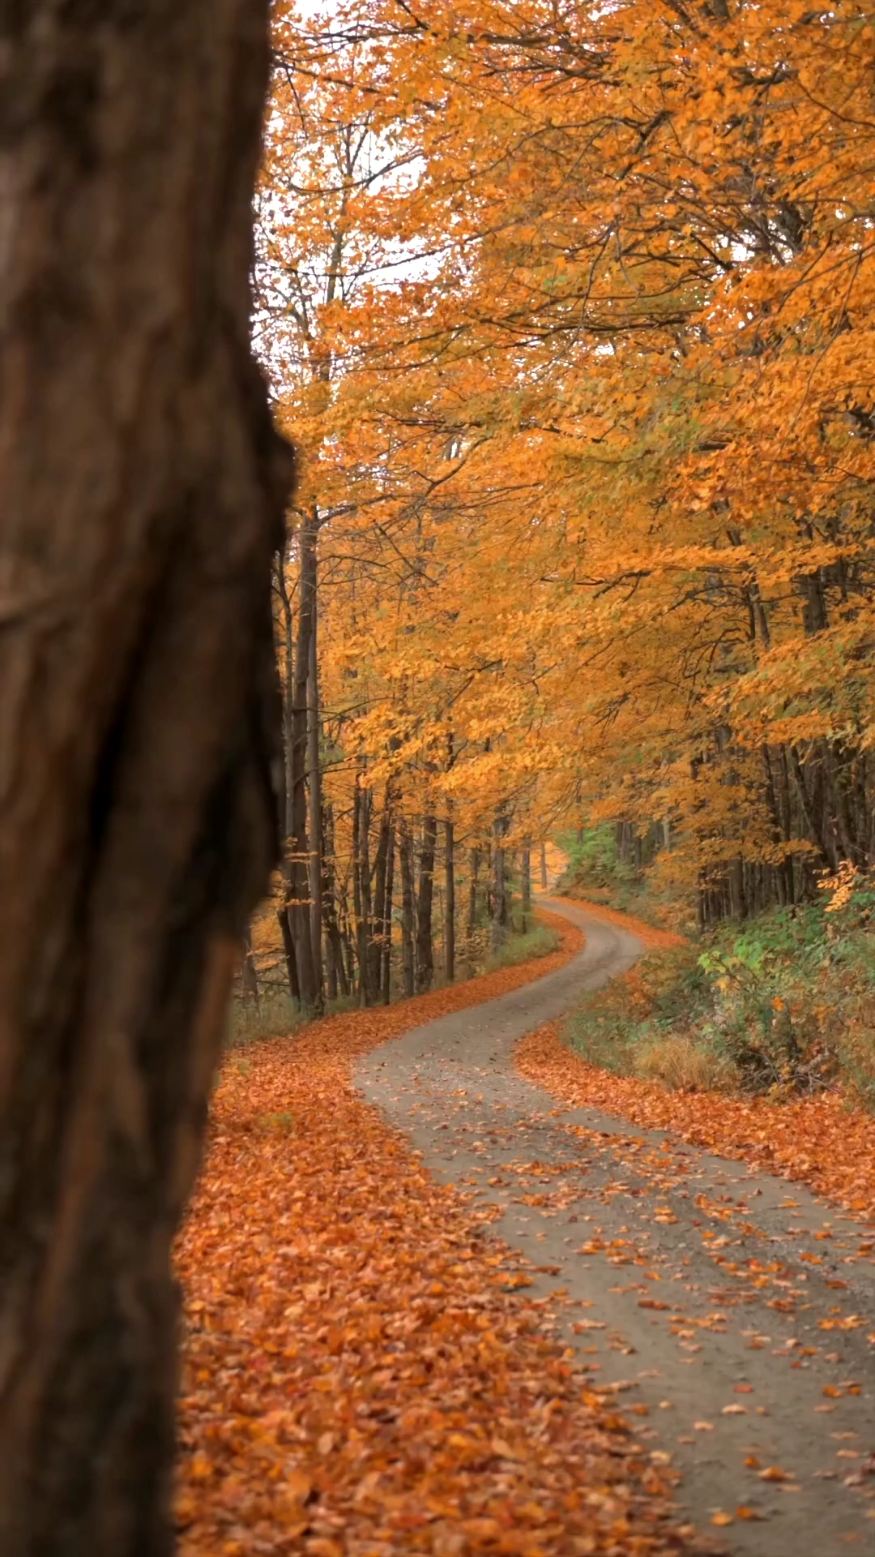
<point>424,901</point>
<point>314,791</point>
<point>337,977</point>
<point>526,883</point>
<point>471,921</point>
<point>408,902</point>
<point>543,867</point>
<point>449,900</point>
<point>300,908</point>
<point>361,886</point>
<point>142,494</point>
<point>377,923</point>
<point>291,960</point>
<point>386,963</point>
<point>498,904</point>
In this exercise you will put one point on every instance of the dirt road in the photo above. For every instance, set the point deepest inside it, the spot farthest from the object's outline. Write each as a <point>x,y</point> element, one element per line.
<point>733,1312</point>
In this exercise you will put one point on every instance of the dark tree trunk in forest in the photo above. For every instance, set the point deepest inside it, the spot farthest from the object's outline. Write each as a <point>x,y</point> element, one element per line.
<point>408,909</point>
<point>361,884</point>
<point>498,913</point>
<point>377,925</point>
<point>526,883</point>
<point>301,873</point>
<point>386,961</point>
<point>314,794</point>
<point>143,489</point>
<point>338,982</point>
<point>471,920</point>
<point>450,900</point>
<point>424,902</point>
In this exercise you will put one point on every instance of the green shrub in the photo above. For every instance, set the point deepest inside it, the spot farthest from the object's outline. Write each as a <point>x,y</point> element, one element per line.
<point>784,1005</point>
<point>521,946</point>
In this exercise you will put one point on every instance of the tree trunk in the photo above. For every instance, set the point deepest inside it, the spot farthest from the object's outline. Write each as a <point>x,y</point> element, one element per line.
<point>337,979</point>
<point>450,900</point>
<point>408,902</point>
<point>425,899</point>
<point>471,921</point>
<point>377,926</point>
<point>314,793</point>
<point>386,963</point>
<point>300,859</point>
<point>526,883</point>
<point>498,893</point>
<point>360,888</point>
<point>142,495</point>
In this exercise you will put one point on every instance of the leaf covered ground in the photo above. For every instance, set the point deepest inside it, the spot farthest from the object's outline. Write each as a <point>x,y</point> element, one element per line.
<point>364,1372</point>
<point>822,1141</point>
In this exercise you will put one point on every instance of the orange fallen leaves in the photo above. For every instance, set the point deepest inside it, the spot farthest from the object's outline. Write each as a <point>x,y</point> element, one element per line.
<point>652,936</point>
<point>821,1141</point>
<point>359,1374</point>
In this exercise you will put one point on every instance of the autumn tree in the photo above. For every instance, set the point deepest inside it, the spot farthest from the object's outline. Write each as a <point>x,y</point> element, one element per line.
<point>632,381</point>
<point>143,494</point>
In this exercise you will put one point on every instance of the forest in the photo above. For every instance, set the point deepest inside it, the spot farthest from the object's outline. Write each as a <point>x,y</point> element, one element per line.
<point>569,309</point>
<point>437,778</point>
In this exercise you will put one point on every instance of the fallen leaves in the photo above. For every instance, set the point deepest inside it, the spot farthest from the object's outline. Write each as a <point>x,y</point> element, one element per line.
<point>360,1372</point>
<point>821,1141</point>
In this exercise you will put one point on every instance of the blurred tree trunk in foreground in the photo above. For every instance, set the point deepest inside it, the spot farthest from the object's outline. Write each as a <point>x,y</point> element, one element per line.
<point>142,494</point>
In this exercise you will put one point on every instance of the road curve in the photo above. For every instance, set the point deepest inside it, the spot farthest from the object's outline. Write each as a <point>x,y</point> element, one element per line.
<point>734,1313</point>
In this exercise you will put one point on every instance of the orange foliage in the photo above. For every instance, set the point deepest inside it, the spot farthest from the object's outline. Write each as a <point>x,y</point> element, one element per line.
<point>571,314</point>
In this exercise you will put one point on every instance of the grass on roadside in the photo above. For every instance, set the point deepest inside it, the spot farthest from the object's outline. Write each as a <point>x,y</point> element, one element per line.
<point>781,1006</point>
<point>521,946</point>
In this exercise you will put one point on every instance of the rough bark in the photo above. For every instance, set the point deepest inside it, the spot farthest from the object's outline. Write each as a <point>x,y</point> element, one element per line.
<point>142,493</point>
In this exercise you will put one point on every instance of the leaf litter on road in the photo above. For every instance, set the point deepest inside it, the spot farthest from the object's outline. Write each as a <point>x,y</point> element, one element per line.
<point>363,1372</point>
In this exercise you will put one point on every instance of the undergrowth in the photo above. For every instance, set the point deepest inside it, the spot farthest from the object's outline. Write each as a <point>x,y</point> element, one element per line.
<point>539,941</point>
<point>596,871</point>
<point>275,1015</point>
<point>783,1006</point>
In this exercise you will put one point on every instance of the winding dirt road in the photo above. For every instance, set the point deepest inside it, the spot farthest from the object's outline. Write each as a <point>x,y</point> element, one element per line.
<point>733,1312</point>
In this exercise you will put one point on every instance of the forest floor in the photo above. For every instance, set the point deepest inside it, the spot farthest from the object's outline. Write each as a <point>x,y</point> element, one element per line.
<point>430,1309</point>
